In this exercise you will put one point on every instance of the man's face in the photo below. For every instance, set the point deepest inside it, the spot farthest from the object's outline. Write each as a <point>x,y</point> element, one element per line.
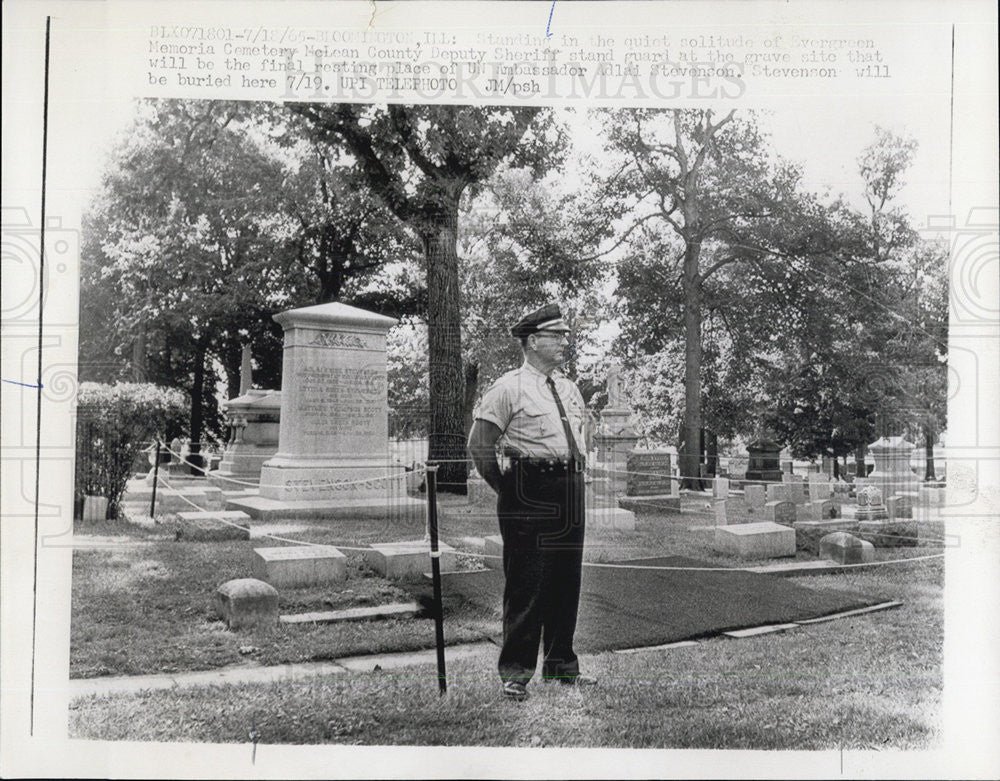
<point>552,346</point>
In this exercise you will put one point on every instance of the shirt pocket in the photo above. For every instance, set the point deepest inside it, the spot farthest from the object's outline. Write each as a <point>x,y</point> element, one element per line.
<point>535,418</point>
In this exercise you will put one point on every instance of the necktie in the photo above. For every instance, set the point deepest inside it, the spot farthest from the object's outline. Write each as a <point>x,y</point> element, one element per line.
<point>573,449</point>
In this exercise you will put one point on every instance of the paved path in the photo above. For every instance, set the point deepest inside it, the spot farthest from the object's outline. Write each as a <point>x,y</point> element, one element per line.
<point>81,687</point>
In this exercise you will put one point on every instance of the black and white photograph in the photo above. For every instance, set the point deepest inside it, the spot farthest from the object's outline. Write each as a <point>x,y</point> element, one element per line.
<point>391,397</point>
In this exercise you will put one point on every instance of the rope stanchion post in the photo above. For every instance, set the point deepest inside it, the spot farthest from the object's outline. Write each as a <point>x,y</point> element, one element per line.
<point>432,525</point>
<point>156,475</point>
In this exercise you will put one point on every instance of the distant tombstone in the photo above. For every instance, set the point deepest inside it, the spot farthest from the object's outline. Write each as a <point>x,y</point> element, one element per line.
<point>648,473</point>
<point>787,467</point>
<point>780,512</point>
<point>900,506</point>
<point>845,548</point>
<point>176,446</point>
<point>754,496</point>
<point>820,510</point>
<point>779,493</point>
<point>720,488</point>
<point>738,466</point>
<point>870,505</point>
<point>763,460</point>
<point>820,490</point>
<point>720,513</point>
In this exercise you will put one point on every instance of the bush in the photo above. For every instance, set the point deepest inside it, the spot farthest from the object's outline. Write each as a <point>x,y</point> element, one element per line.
<point>114,424</point>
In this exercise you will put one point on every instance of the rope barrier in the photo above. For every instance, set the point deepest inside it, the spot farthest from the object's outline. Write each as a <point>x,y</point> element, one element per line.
<point>328,484</point>
<point>593,564</point>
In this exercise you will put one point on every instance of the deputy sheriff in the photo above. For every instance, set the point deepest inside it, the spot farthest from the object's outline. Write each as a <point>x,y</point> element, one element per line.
<point>536,415</point>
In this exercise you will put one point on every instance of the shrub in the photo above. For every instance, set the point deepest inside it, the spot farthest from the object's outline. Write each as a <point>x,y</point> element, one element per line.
<point>114,424</point>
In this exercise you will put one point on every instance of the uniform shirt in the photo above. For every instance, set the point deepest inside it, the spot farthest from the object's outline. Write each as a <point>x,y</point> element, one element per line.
<point>521,405</point>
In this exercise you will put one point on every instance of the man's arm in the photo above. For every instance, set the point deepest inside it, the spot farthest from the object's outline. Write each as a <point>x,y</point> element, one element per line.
<point>482,447</point>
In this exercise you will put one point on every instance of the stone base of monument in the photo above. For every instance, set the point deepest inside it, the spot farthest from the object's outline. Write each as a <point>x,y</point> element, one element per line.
<point>610,519</point>
<point>890,534</point>
<point>662,503</point>
<point>809,533</point>
<point>845,548</point>
<point>493,551</point>
<point>247,602</point>
<point>408,560</point>
<point>263,509</point>
<point>212,526</point>
<point>763,540</point>
<point>299,566</point>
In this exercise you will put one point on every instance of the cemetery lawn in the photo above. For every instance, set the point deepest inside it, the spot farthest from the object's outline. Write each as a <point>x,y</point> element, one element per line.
<point>868,682</point>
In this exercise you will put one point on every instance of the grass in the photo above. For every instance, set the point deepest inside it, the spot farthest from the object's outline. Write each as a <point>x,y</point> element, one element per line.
<point>867,682</point>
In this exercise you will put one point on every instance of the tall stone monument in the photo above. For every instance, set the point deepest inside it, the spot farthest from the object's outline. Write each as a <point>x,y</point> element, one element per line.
<point>892,472</point>
<point>332,458</point>
<point>615,437</point>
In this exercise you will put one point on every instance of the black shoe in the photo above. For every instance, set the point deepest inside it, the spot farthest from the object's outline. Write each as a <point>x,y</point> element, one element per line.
<point>515,690</point>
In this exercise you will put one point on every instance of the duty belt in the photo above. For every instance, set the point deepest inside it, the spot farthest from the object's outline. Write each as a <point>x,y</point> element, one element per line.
<point>552,465</point>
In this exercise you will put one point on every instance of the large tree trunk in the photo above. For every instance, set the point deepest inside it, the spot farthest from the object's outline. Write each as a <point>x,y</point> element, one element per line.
<point>860,469</point>
<point>446,441</point>
<point>197,403</point>
<point>690,454</point>
<point>929,473</point>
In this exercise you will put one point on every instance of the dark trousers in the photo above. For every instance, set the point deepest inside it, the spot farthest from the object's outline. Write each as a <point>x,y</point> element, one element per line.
<point>541,516</point>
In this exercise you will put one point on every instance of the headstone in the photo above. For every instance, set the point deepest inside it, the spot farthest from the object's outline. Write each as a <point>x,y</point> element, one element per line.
<point>212,525</point>
<point>247,603</point>
<point>408,560</point>
<point>720,512</point>
<point>298,566</point>
<point>720,488</point>
<point>809,533</point>
<point>845,548</point>
<point>899,507</point>
<point>754,496</point>
<point>493,552</point>
<point>738,466</point>
<point>820,490</point>
<point>797,491</point>
<point>763,457</point>
<point>333,434</point>
<point>780,492</point>
<point>780,512</point>
<point>870,506</point>
<point>756,540</point>
<point>648,473</point>
<point>819,510</point>
<point>787,467</point>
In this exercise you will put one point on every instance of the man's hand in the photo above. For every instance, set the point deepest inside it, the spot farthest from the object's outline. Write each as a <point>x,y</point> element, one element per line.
<point>482,447</point>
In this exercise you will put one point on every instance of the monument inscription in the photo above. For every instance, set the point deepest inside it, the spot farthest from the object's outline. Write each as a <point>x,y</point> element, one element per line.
<point>648,473</point>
